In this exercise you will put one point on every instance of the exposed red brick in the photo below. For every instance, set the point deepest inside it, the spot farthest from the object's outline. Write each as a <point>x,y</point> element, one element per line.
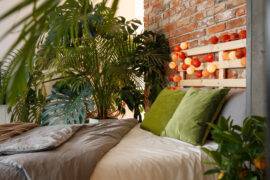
<point>189,28</point>
<point>189,11</point>
<point>158,18</point>
<point>175,3</point>
<point>169,28</point>
<point>226,15</point>
<point>156,4</point>
<point>203,42</point>
<point>220,8</point>
<point>192,2</point>
<point>205,4</point>
<point>184,38</point>
<point>236,23</point>
<point>216,28</point>
<point>166,14</point>
<point>232,74</point>
<point>241,11</point>
<point>233,3</point>
<point>194,21</point>
<point>183,22</point>
<point>199,34</point>
<point>199,16</point>
<point>146,5</point>
<point>172,42</point>
<point>206,22</point>
<point>193,44</point>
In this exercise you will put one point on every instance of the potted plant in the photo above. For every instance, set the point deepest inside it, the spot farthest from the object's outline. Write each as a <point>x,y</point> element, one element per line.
<point>85,47</point>
<point>241,150</point>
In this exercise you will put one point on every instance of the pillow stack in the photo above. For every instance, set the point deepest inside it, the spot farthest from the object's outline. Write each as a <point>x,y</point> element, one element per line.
<point>188,121</point>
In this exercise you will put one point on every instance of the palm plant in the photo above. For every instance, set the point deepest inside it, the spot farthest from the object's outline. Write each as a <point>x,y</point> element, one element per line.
<point>80,43</point>
<point>55,22</point>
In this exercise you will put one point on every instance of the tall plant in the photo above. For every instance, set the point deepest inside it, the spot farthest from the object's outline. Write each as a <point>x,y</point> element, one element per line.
<point>150,57</point>
<point>81,43</point>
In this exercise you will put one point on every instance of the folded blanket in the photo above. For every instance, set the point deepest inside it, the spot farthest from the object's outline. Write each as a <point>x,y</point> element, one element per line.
<point>12,129</point>
<point>38,139</point>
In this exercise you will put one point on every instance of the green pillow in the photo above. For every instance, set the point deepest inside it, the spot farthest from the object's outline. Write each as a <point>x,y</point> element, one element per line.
<point>198,107</point>
<point>162,110</point>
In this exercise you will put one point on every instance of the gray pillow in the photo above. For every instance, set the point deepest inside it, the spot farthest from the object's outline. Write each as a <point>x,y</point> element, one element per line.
<point>235,107</point>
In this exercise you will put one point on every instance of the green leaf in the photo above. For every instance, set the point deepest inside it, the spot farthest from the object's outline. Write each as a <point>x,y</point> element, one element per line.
<point>212,171</point>
<point>17,84</point>
<point>66,106</point>
<point>213,154</point>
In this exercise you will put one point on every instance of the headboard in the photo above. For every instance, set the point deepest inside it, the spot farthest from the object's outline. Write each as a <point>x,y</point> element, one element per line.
<point>221,80</point>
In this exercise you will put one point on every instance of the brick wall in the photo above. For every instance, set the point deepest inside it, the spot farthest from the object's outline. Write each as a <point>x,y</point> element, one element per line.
<point>194,21</point>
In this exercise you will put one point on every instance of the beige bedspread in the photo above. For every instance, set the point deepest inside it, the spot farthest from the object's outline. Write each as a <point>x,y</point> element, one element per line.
<point>143,156</point>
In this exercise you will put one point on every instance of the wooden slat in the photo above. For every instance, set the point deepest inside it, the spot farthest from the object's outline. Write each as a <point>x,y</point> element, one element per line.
<point>214,82</point>
<point>221,72</point>
<point>216,47</point>
<point>231,64</point>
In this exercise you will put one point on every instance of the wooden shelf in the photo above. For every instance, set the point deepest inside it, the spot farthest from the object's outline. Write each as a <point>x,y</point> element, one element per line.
<point>216,47</point>
<point>221,65</point>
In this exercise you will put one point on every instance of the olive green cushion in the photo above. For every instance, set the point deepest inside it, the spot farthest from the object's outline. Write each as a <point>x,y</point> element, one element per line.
<point>189,122</point>
<point>162,110</point>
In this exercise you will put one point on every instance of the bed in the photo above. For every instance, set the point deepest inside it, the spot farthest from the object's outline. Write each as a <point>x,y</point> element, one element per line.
<point>143,155</point>
<point>110,150</point>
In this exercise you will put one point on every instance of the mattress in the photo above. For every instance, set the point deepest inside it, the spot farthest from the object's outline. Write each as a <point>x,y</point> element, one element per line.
<point>142,155</point>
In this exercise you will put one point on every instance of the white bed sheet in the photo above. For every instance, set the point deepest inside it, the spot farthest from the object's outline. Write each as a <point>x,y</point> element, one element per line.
<point>143,156</point>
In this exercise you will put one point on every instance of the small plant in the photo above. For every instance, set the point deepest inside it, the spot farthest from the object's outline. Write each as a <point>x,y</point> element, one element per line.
<point>241,150</point>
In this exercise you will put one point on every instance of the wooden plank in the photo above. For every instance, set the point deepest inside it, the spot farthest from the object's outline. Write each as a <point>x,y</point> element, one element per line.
<point>231,64</point>
<point>221,72</point>
<point>214,82</point>
<point>216,47</point>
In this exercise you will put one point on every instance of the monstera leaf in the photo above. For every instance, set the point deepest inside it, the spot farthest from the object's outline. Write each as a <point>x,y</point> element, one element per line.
<point>66,106</point>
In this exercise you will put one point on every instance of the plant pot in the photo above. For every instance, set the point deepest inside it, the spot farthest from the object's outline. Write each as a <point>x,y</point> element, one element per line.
<point>4,115</point>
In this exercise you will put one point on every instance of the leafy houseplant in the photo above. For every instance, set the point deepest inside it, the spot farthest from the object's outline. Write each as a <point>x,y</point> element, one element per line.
<point>155,51</point>
<point>96,54</point>
<point>241,150</point>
